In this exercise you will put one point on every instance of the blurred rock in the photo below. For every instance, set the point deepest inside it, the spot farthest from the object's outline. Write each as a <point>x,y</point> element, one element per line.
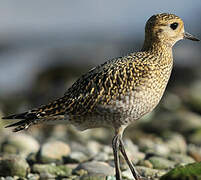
<point>133,151</point>
<point>31,176</point>
<point>195,137</point>
<point>172,102</point>
<point>93,177</point>
<point>48,171</point>
<point>194,98</point>
<point>180,158</point>
<point>161,163</point>
<point>95,167</point>
<point>176,142</point>
<point>145,163</point>
<point>94,147</point>
<point>101,156</point>
<point>54,151</point>
<point>20,143</point>
<point>195,152</point>
<point>76,157</point>
<point>182,122</point>
<point>145,172</point>
<point>13,165</point>
<point>188,172</point>
<point>153,145</point>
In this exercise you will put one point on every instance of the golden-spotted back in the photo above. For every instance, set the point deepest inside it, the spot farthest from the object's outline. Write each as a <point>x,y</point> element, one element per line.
<point>122,89</point>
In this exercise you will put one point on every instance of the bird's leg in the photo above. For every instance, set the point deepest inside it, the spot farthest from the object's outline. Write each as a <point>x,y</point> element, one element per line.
<point>136,175</point>
<point>115,146</point>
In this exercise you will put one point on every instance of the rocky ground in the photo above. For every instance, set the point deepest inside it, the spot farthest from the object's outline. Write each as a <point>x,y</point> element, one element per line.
<point>165,144</point>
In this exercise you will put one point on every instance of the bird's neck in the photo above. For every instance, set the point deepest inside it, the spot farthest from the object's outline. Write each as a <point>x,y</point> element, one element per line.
<point>158,48</point>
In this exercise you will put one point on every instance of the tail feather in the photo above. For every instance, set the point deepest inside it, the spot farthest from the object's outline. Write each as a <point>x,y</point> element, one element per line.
<point>51,112</point>
<point>20,125</point>
<point>25,115</point>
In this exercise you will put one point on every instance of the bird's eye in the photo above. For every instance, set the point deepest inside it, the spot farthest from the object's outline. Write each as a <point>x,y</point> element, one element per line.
<point>174,25</point>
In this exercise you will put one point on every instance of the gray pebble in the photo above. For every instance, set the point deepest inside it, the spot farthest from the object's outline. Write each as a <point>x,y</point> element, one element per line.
<point>76,157</point>
<point>161,163</point>
<point>145,172</point>
<point>176,143</point>
<point>54,151</point>
<point>181,158</point>
<point>96,167</point>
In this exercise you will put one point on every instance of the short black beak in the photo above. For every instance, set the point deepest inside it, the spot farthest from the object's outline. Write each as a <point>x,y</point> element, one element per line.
<point>190,37</point>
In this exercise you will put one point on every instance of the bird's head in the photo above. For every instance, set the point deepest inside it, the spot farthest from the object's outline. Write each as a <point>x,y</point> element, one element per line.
<point>166,28</point>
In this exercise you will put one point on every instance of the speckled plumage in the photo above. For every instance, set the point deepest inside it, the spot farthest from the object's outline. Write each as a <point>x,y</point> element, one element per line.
<point>119,91</point>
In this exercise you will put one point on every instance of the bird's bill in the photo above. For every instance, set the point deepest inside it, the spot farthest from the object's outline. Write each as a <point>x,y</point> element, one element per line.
<point>190,37</point>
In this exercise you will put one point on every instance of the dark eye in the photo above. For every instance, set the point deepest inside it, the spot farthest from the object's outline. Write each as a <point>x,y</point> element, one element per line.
<point>174,25</point>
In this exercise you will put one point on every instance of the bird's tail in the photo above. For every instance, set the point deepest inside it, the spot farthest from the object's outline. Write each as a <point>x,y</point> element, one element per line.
<point>47,113</point>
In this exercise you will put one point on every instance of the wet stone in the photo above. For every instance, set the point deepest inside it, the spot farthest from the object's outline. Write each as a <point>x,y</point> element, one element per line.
<point>96,167</point>
<point>13,165</point>
<point>54,151</point>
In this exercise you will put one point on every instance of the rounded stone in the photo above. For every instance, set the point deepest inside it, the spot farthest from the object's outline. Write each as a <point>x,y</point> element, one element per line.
<point>161,163</point>
<point>76,157</point>
<point>13,165</point>
<point>54,151</point>
<point>176,143</point>
<point>145,172</point>
<point>96,167</point>
<point>48,171</point>
<point>181,158</point>
<point>20,143</point>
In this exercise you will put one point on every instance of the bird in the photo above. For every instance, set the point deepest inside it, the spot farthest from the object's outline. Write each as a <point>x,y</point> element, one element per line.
<point>119,91</point>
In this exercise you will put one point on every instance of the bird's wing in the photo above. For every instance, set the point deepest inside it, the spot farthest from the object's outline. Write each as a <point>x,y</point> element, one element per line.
<point>99,85</point>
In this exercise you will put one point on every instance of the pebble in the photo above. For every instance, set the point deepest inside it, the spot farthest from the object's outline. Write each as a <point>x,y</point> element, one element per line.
<point>96,167</point>
<point>101,156</point>
<point>195,152</point>
<point>54,151</point>
<point>52,170</point>
<point>195,137</point>
<point>93,177</point>
<point>20,143</point>
<point>156,146</point>
<point>176,143</point>
<point>76,157</point>
<point>181,158</point>
<point>133,151</point>
<point>161,163</point>
<point>31,176</point>
<point>13,165</point>
<point>145,172</point>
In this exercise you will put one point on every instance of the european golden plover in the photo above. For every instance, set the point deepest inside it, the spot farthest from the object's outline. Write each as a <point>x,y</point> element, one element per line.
<point>118,92</point>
